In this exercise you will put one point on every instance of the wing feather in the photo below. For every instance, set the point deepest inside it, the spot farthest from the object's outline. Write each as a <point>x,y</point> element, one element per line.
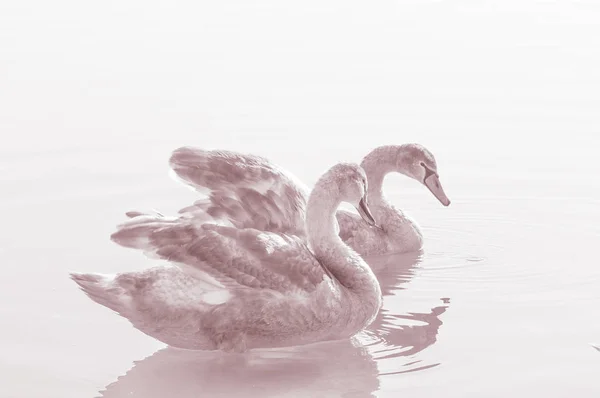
<point>286,256</point>
<point>349,224</point>
<point>246,190</point>
<point>236,258</point>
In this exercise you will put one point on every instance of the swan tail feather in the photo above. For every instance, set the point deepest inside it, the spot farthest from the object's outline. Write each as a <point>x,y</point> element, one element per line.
<point>102,289</point>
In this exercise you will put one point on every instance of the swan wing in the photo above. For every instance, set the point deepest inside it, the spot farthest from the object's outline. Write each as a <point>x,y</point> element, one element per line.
<point>282,257</point>
<point>349,224</point>
<point>234,258</point>
<point>245,191</point>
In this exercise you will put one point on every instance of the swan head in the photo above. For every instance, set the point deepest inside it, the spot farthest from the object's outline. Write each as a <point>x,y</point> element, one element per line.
<point>352,186</point>
<point>417,162</point>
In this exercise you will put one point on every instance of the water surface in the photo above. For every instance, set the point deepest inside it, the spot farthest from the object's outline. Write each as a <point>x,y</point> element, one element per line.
<point>504,299</point>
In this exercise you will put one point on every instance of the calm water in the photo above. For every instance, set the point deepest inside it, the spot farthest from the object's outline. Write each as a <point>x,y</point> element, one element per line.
<point>505,298</point>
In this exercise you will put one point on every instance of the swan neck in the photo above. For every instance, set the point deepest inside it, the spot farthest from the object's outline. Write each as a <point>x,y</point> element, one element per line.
<point>343,263</point>
<point>320,218</point>
<point>377,164</point>
<point>380,162</point>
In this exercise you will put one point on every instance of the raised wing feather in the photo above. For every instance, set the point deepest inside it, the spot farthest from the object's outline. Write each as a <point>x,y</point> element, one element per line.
<point>282,255</point>
<point>246,191</point>
<point>236,258</point>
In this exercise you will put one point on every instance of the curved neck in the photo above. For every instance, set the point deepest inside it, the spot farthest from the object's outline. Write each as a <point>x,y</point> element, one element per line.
<point>320,218</point>
<point>337,258</point>
<point>378,163</point>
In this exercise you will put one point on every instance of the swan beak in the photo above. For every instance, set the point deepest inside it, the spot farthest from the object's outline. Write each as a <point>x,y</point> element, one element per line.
<point>433,183</point>
<point>365,212</point>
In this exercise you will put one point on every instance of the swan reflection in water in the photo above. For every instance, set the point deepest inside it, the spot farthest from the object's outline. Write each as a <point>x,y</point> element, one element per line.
<point>347,368</point>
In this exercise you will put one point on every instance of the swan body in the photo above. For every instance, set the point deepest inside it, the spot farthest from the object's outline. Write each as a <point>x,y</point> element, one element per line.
<point>234,289</point>
<point>398,232</point>
<point>250,191</point>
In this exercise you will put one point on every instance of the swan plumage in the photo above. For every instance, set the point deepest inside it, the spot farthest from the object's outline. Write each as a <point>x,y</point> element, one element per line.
<point>234,288</point>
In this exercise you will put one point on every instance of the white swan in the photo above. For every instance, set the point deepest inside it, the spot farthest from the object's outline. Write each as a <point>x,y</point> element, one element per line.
<point>245,288</point>
<point>250,191</point>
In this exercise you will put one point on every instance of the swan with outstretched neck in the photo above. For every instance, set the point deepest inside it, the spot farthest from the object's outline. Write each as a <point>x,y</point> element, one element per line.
<point>250,191</point>
<point>398,232</point>
<point>234,289</point>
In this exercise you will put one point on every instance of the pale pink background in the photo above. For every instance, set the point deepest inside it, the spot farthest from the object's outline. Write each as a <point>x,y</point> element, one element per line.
<point>93,97</point>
